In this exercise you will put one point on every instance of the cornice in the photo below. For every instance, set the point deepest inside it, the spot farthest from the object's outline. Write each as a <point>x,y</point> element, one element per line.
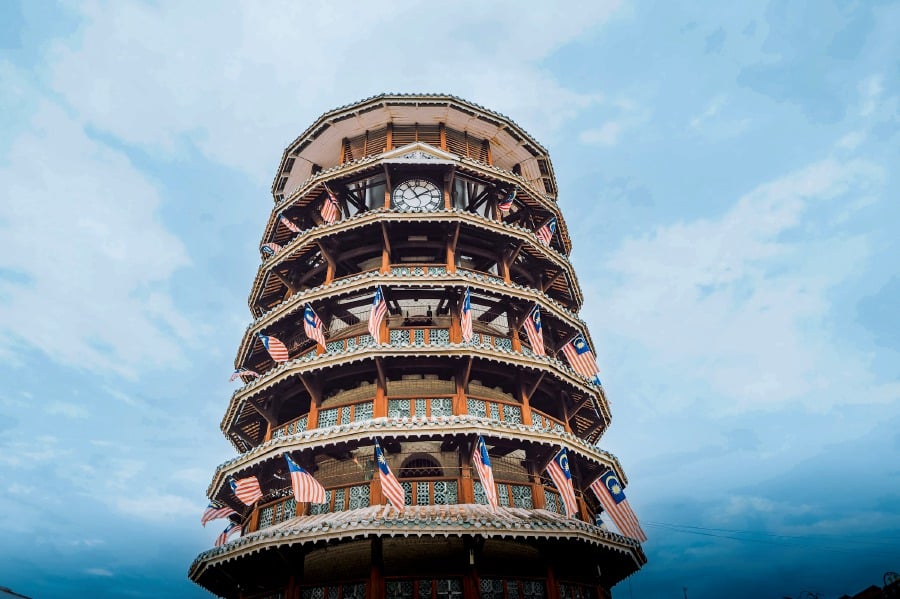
<point>464,163</point>
<point>342,112</point>
<point>312,363</point>
<point>369,280</point>
<point>320,232</point>
<point>418,521</point>
<point>321,438</point>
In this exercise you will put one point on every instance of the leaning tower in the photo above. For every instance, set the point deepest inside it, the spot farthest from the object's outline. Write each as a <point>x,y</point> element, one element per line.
<point>415,295</point>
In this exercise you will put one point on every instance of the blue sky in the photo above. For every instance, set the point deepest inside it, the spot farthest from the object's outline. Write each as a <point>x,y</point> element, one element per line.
<point>729,176</point>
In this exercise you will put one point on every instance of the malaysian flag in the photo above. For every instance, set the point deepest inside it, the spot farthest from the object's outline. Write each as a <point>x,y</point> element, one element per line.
<point>233,528</point>
<point>558,469</point>
<point>390,486</point>
<point>270,249</point>
<point>545,233</point>
<point>306,488</point>
<point>214,512</point>
<point>275,348</point>
<point>330,207</point>
<point>609,491</point>
<point>288,223</point>
<point>240,372</point>
<point>246,489</point>
<point>533,329</point>
<point>580,356</point>
<point>312,325</point>
<point>485,472</point>
<point>507,201</point>
<point>465,320</point>
<point>379,310</point>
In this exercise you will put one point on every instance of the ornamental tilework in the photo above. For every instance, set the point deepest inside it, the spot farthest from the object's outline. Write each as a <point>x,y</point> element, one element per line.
<point>439,336</point>
<point>477,408</point>
<point>419,337</point>
<point>399,336</point>
<point>363,411</point>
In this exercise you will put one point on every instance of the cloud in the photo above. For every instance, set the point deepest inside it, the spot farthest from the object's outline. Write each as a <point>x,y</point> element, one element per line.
<point>606,135</point>
<point>870,93</point>
<point>140,72</point>
<point>82,228</point>
<point>738,305</point>
<point>155,507</point>
<point>99,572</point>
<point>712,123</point>
<point>69,410</point>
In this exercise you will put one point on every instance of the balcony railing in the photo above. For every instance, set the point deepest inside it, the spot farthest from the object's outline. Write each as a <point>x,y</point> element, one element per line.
<point>341,499</point>
<point>495,410</point>
<point>431,492</point>
<point>420,407</point>
<point>346,414</point>
<point>508,495</point>
<point>431,407</point>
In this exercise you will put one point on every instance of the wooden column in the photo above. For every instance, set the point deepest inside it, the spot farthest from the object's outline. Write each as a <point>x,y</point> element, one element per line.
<point>385,250</point>
<point>525,400</point>
<point>552,585</point>
<point>467,481</point>
<point>380,408</point>
<point>376,588</point>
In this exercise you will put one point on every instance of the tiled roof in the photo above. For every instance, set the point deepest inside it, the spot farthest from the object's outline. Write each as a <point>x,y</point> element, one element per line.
<point>427,520</point>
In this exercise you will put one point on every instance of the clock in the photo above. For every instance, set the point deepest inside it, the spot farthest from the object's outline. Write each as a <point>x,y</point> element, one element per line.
<point>417,195</point>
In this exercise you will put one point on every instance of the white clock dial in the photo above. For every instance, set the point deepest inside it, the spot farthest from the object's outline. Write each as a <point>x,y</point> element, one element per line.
<point>417,195</point>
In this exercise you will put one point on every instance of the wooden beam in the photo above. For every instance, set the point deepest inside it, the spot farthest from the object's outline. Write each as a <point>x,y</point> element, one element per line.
<point>549,282</point>
<point>313,386</point>
<point>529,392</point>
<point>382,379</point>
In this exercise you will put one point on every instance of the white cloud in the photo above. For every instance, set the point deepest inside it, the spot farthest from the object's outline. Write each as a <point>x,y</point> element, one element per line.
<point>155,507</point>
<point>69,410</point>
<point>713,123</point>
<point>739,304</point>
<point>606,135</point>
<point>91,258</point>
<point>870,94</point>
<point>99,572</point>
<point>140,72</point>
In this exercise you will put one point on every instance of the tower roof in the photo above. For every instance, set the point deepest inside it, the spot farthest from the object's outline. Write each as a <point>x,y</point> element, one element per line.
<point>511,145</point>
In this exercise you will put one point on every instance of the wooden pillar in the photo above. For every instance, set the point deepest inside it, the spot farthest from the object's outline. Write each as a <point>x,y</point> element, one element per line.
<point>443,131</point>
<point>376,588</point>
<point>380,407</point>
<point>525,400</point>
<point>385,250</point>
<point>552,585</point>
<point>467,481</point>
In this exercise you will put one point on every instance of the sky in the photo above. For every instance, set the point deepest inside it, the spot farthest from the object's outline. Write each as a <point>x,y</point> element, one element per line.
<point>729,178</point>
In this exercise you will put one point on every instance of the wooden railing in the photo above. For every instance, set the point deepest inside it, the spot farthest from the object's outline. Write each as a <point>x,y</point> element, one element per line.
<point>495,410</point>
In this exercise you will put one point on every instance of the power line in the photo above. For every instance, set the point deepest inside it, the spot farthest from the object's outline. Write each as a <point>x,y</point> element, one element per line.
<point>889,541</point>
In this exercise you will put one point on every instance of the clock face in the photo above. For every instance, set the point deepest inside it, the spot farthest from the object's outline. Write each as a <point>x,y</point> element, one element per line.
<point>418,195</point>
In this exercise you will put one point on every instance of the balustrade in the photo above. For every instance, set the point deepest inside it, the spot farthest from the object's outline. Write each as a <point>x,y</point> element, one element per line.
<point>340,499</point>
<point>346,414</point>
<point>495,410</point>
<point>433,407</point>
<point>508,495</point>
<point>431,492</point>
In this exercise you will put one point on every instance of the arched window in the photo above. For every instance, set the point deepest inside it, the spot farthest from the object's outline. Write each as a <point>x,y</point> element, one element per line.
<point>421,465</point>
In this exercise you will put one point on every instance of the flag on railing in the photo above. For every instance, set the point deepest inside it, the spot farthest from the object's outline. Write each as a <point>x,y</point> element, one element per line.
<point>330,207</point>
<point>580,356</point>
<point>239,372</point>
<point>545,233</point>
<point>306,488</point>
<point>485,472</point>
<point>275,348</point>
<point>558,469</point>
<point>465,320</point>
<point>507,201</point>
<point>214,512</point>
<point>377,314</point>
<point>288,223</point>
<point>609,491</point>
<point>390,486</point>
<point>270,249</point>
<point>533,329</point>
<point>313,326</point>
<point>246,489</point>
<point>233,528</point>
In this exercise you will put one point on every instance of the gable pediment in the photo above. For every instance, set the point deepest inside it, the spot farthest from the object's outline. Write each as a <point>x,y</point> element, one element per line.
<point>419,153</point>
